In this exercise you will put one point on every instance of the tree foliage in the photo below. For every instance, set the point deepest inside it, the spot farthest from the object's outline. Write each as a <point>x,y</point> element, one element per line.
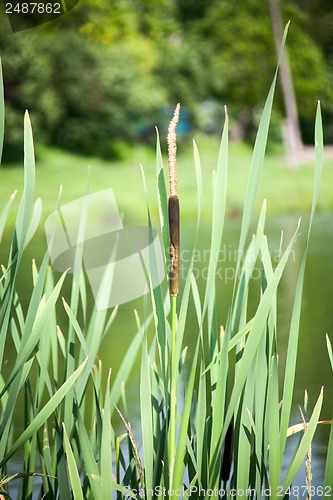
<point>81,96</point>
<point>106,70</point>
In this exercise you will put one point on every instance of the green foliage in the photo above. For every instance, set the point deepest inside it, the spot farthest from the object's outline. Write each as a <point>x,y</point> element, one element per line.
<point>83,99</point>
<point>304,54</point>
<point>181,62</point>
<point>121,62</point>
<point>240,59</point>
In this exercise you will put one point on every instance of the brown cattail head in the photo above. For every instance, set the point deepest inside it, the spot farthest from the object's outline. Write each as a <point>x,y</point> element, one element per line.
<point>174,224</point>
<point>174,244</point>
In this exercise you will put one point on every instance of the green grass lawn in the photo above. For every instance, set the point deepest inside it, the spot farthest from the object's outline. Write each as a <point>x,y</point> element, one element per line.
<point>287,190</point>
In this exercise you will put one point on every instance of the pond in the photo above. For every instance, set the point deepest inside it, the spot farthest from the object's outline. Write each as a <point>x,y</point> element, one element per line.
<point>313,367</point>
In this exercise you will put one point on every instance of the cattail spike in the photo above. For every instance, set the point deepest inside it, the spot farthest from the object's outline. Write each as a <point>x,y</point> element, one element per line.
<point>172,152</point>
<point>174,222</point>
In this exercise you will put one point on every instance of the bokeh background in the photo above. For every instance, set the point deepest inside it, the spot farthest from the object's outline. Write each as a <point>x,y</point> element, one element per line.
<point>106,73</point>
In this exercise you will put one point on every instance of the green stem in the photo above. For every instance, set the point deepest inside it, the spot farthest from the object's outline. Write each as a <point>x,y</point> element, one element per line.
<point>173,330</point>
<point>173,389</point>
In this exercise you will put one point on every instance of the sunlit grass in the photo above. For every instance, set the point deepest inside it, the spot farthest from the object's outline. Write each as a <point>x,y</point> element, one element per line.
<point>287,190</point>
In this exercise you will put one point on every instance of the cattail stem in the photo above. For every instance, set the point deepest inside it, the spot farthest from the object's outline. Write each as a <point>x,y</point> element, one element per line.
<point>173,391</point>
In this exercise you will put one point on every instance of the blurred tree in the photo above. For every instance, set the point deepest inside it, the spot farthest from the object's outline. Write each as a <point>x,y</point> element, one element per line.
<point>189,11</point>
<point>242,58</point>
<point>103,72</point>
<point>291,127</point>
<point>122,20</point>
<point>320,25</point>
<point>82,95</point>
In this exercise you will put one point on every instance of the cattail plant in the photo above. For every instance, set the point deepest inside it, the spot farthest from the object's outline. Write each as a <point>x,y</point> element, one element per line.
<point>174,228</point>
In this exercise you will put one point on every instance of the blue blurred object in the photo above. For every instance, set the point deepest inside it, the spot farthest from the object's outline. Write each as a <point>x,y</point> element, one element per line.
<point>185,125</point>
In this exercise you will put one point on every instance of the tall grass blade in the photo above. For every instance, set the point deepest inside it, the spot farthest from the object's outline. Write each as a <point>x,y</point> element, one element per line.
<point>72,469</point>
<point>201,428</point>
<point>273,429</point>
<point>147,420</point>
<point>74,301</point>
<point>182,437</point>
<point>106,458</point>
<point>328,479</point>
<point>21,229</point>
<point>219,204</point>
<point>296,314</point>
<point>4,213</point>
<point>26,205</point>
<point>198,176</point>
<point>34,222</point>
<point>258,160</point>
<point>89,460</point>
<point>329,350</point>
